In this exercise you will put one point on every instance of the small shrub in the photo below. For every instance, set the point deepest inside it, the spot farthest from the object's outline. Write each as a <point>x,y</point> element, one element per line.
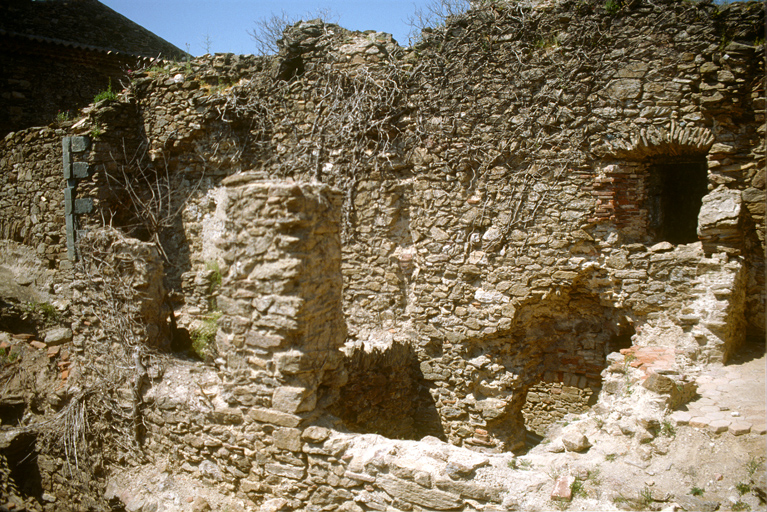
<point>696,491</point>
<point>743,488</point>
<point>740,505</point>
<point>63,116</point>
<point>107,95</point>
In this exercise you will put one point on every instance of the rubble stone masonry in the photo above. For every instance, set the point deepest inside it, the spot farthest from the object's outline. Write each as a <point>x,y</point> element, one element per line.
<point>499,208</point>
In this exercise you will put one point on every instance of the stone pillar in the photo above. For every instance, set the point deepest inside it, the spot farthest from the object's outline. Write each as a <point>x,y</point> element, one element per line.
<point>282,323</point>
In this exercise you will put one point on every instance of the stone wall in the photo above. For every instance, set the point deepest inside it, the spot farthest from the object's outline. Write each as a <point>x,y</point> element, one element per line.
<point>32,184</point>
<point>43,82</point>
<point>549,403</point>
<point>503,190</point>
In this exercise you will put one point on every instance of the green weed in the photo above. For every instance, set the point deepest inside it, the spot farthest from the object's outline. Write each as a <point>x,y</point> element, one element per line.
<point>216,277</point>
<point>204,336</point>
<point>740,505</point>
<point>96,131</point>
<point>743,488</point>
<point>63,116</point>
<point>10,356</point>
<point>667,429</point>
<point>577,488</point>
<point>46,311</point>
<point>108,95</point>
<point>752,466</point>
<point>645,497</point>
<point>696,491</point>
<point>610,457</point>
<point>522,464</point>
<point>619,499</point>
<point>595,476</point>
<point>612,6</point>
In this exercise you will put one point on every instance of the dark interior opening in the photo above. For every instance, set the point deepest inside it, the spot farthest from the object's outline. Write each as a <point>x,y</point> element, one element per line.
<point>675,194</point>
<point>387,394</point>
<point>21,455</point>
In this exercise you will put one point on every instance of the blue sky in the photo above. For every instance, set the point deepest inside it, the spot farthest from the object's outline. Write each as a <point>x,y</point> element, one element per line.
<point>226,22</point>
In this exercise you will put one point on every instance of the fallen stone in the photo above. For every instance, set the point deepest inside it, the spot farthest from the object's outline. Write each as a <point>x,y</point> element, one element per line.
<point>575,442</point>
<point>562,490</point>
<point>58,336</point>
<point>39,345</point>
<point>274,505</point>
<point>200,504</point>
<point>414,493</point>
<point>692,503</point>
<point>483,492</point>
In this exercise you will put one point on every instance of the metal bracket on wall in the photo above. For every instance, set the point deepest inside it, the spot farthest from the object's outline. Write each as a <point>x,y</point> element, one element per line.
<point>74,171</point>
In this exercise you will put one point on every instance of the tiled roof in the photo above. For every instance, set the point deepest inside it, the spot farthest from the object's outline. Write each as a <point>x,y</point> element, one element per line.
<point>84,24</point>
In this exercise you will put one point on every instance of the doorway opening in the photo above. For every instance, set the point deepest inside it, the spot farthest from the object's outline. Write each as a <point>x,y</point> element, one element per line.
<point>674,197</point>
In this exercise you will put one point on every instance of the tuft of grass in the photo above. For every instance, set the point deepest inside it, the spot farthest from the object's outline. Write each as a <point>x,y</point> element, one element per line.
<point>595,476</point>
<point>204,336</point>
<point>740,505</point>
<point>696,491</point>
<point>667,429</point>
<point>752,466</point>
<point>108,95</point>
<point>45,310</point>
<point>8,357</point>
<point>523,464</point>
<point>216,277</point>
<point>610,457</point>
<point>645,497</point>
<point>577,488</point>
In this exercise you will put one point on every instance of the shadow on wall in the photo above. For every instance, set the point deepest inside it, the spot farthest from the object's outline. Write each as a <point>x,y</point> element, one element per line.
<point>387,394</point>
<point>563,338</point>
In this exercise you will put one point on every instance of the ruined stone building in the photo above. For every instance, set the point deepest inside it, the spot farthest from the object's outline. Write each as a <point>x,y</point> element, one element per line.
<point>453,240</point>
<point>58,54</point>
